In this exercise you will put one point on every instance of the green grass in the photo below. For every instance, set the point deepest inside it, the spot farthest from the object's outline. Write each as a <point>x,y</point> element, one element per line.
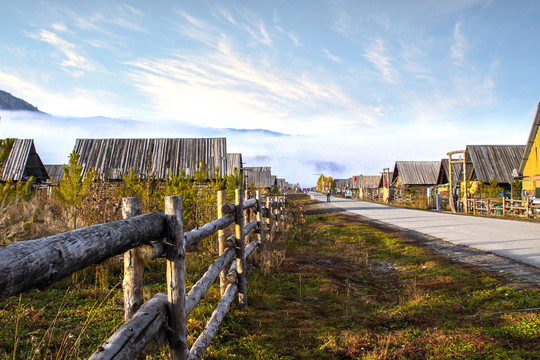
<point>344,291</point>
<point>348,291</point>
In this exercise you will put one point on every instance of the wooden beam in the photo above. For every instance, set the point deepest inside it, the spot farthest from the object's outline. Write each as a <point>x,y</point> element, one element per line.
<point>222,237</point>
<point>30,264</point>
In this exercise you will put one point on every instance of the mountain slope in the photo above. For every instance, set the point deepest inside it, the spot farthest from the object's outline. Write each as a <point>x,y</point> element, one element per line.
<point>10,102</point>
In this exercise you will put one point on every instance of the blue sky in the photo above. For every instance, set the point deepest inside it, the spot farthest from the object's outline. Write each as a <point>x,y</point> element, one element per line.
<point>356,85</point>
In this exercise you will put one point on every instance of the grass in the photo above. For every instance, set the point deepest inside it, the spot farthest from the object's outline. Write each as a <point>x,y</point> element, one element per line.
<point>341,290</point>
<point>348,291</point>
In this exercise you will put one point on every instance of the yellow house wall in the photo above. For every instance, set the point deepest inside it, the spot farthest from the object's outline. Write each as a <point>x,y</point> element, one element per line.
<point>531,173</point>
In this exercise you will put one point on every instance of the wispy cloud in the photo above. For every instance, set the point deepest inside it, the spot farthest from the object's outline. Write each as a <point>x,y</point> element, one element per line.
<point>123,16</point>
<point>459,45</point>
<point>376,54</point>
<point>72,59</point>
<point>331,56</point>
<point>219,81</point>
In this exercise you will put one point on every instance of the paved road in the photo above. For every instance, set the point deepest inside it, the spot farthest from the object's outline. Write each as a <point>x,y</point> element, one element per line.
<point>514,239</point>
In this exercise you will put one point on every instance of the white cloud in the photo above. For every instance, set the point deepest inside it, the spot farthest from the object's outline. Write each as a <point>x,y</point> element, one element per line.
<point>59,26</point>
<point>72,58</point>
<point>376,54</point>
<point>459,46</point>
<point>331,56</point>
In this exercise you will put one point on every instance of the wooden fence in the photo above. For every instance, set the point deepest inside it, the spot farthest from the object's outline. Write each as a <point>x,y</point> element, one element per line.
<point>30,264</point>
<point>505,207</point>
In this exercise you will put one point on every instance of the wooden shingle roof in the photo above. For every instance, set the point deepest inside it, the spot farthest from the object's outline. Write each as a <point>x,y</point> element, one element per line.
<point>56,172</point>
<point>112,158</point>
<point>457,172</point>
<point>495,161</point>
<point>416,172</point>
<point>23,162</point>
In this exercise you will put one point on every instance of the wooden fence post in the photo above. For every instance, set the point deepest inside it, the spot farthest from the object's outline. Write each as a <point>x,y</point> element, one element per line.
<point>176,277</point>
<point>133,265</point>
<point>260,218</point>
<point>488,207</point>
<point>504,206</point>
<point>269,218</point>
<point>222,237</point>
<point>240,254</point>
<point>247,217</point>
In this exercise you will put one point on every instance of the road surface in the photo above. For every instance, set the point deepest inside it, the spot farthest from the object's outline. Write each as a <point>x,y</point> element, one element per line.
<point>514,239</point>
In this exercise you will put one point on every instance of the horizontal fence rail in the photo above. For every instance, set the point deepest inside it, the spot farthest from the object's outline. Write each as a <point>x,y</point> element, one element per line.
<point>37,263</point>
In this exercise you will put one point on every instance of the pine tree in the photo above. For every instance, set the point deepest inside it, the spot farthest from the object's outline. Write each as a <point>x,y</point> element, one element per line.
<point>73,188</point>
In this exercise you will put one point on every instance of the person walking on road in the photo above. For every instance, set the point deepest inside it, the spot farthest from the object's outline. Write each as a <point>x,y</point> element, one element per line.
<point>327,195</point>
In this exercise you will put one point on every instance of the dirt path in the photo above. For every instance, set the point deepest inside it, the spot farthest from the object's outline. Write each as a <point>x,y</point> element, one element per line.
<point>518,272</point>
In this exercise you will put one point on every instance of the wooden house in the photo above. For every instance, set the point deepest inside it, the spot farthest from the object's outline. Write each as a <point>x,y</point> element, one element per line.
<point>24,162</point>
<point>258,176</point>
<point>342,184</point>
<point>158,158</point>
<point>529,168</point>
<point>497,162</point>
<point>415,174</point>
<point>368,185</point>
<point>444,173</point>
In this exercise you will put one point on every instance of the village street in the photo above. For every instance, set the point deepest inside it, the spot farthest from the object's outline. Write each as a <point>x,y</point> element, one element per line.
<point>514,239</point>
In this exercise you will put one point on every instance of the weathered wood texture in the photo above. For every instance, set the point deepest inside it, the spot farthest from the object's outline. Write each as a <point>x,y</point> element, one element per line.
<point>29,264</point>
<point>494,161</point>
<point>419,173</point>
<point>212,327</point>
<point>145,330</point>
<point>258,176</point>
<point>222,238</point>
<point>234,161</point>
<point>240,256</point>
<point>23,162</point>
<point>133,264</point>
<point>198,290</point>
<point>115,157</point>
<point>176,278</point>
<point>55,172</point>
<point>196,235</point>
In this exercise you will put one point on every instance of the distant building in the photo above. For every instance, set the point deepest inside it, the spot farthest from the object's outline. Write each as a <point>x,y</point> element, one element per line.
<point>258,176</point>
<point>415,174</point>
<point>24,162</point>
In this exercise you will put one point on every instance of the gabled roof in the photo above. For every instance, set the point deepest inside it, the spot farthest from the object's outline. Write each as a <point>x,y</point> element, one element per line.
<point>416,172</point>
<point>112,158</point>
<point>495,161</point>
<point>530,141</point>
<point>444,170</point>
<point>23,162</point>
<point>260,176</point>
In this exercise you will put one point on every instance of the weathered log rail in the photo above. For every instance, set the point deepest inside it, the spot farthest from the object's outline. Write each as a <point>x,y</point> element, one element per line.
<point>37,263</point>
